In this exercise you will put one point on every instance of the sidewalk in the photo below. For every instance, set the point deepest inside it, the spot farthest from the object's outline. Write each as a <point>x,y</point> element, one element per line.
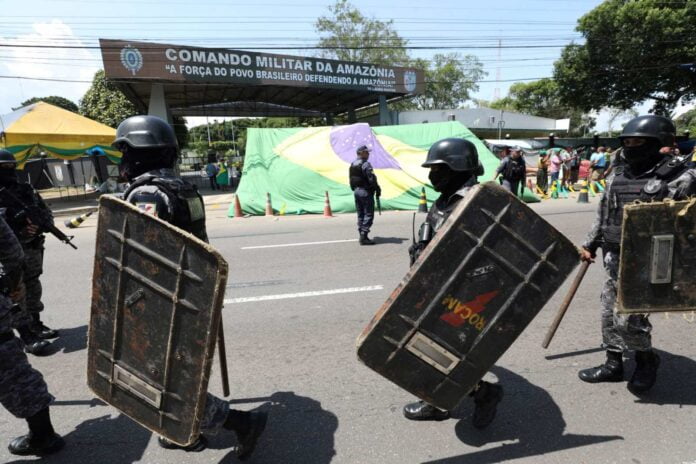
<point>76,206</point>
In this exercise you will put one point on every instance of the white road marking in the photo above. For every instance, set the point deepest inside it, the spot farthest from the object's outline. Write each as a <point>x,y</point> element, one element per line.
<point>284,296</point>
<point>299,244</point>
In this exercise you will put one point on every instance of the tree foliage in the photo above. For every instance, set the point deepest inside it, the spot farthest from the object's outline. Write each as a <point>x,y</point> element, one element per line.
<point>104,103</point>
<point>634,50</point>
<point>687,121</point>
<point>449,80</point>
<point>543,98</point>
<point>348,35</point>
<point>55,100</point>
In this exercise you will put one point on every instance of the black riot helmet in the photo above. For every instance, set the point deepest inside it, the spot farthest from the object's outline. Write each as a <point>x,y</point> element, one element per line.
<point>651,126</point>
<point>147,143</point>
<point>643,137</point>
<point>7,158</point>
<point>457,154</point>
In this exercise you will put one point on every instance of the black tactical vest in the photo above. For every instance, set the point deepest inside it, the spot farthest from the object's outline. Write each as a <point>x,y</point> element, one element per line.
<point>357,175</point>
<point>185,203</point>
<point>625,189</point>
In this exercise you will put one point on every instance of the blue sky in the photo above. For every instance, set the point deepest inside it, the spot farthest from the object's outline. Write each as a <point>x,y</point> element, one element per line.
<point>246,24</point>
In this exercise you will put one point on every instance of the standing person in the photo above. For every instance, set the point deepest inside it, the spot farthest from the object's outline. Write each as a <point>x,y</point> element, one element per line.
<point>513,169</point>
<point>555,163</point>
<point>363,182</point>
<point>598,163</point>
<point>454,167</point>
<point>23,391</point>
<point>573,165</point>
<point>150,151</point>
<point>543,171</point>
<point>643,174</point>
<point>211,170</point>
<point>33,332</point>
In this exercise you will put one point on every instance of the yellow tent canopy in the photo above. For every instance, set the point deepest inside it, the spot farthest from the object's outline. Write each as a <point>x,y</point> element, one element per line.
<point>58,132</point>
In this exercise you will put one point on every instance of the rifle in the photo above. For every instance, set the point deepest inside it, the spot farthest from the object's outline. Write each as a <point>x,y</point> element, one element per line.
<point>34,216</point>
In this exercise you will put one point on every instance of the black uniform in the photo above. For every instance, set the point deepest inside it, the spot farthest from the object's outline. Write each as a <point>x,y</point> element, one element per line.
<point>150,150</point>
<point>23,391</point>
<point>364,184</point>
<point>454,167</point>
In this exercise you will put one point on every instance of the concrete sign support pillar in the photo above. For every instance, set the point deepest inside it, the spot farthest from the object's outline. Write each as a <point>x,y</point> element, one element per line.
<point>351,116</point>
<point>158,103</point>
<point>329,119</point>
<point>384,116</point>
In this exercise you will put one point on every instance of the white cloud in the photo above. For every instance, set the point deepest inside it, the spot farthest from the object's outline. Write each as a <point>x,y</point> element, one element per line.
<point>48,63</point>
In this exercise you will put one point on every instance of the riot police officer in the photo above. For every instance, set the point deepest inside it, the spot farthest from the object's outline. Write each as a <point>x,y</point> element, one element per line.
<point>150,151</point>
<point>23,391</point>
<point>454,167</point>
<point>647,175</point>
<point>28,323</point>
<point>364,184</point>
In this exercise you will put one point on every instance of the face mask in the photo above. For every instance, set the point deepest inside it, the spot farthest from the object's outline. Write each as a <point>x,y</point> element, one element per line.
<point>8,176</point>
<point>643,157</point>
<point>440,178</point>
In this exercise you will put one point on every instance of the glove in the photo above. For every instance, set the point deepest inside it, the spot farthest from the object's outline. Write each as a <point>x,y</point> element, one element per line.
<point>415,250</point>
<point>683,186</point>
<point>378,192</point>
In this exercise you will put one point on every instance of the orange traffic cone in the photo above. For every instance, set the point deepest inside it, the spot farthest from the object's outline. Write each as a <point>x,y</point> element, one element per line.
<point>237,207</point>
<point>269,208</point>
<point>327,206</point>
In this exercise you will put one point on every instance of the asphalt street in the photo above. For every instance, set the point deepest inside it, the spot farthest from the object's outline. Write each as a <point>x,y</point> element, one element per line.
<point>292,316</point>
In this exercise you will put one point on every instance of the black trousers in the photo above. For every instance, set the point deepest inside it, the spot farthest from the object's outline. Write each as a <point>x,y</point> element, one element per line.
<point>365,207</point>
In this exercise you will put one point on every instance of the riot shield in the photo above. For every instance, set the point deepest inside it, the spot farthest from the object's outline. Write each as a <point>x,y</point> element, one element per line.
<point>658,258</point>
<point>157,295</point>
<point>489,270</point>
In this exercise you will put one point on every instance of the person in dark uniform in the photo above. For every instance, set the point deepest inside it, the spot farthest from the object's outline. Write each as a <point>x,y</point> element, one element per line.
<point>513,169</point>
<point>641,173</point>
<point>23,391</point>
<point>28,322</point>
<point>364,184</point>
<point>454,166</point>
<point>150,151</point>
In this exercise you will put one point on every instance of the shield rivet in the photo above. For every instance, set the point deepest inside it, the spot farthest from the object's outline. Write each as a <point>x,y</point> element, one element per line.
<point>676,288</point>
<point>154,371</point>
<point>691,237</point>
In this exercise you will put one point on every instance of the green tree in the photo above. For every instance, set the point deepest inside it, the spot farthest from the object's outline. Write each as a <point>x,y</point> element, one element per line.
<point>55,100</point>
<point>106,104</point>
<point>633,51</point>
<point>349,35</point>
<point>103,102</point>
<point>449,80</point>
<point>543,98</point>
<point>687,121</point>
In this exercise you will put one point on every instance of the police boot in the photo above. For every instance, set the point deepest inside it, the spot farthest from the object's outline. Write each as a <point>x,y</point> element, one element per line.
<point>610,371</point>
<point>486,399</point>
<point>422,411</point>
<point>199,445</point>
<point>365,240</point>
<point>644,376</point>
<point>248,426</point>
<point>40,329</point>
<point>41,440</point>
<point>32,343</point>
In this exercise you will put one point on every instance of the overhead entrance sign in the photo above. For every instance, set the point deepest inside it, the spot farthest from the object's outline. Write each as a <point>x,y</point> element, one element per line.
<point>143,60</point>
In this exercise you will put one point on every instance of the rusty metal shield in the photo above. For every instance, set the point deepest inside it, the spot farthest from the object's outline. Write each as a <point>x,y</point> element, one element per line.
<point>487,273</point>
<point>157,295</point>
<point>658,258</point>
